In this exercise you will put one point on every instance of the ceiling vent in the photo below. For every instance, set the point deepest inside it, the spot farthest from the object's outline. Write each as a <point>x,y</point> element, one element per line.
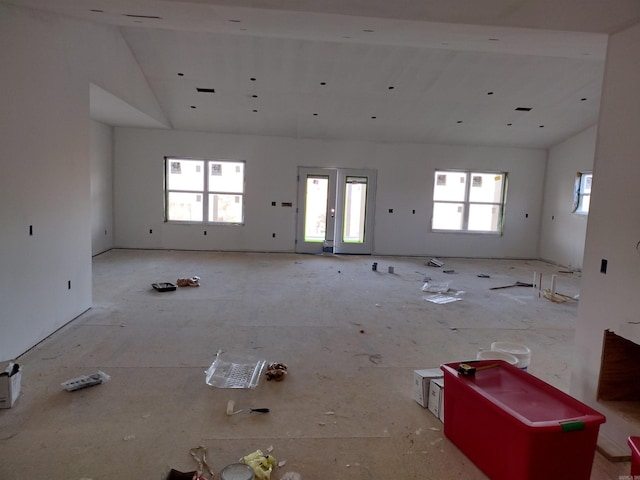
<point>206,90</point>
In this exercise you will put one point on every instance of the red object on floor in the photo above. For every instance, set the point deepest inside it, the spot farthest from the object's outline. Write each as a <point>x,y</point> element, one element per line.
<point>634,443</point>
<point>513,425</point>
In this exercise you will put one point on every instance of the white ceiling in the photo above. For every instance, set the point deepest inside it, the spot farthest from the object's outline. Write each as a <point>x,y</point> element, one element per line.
<point>430,71</point>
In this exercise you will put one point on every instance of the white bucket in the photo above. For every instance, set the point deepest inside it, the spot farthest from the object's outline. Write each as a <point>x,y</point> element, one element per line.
<point>521,352</point>
<point>491,355</point>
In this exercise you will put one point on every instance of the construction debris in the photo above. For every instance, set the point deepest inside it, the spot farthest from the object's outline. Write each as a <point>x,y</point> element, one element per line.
<point>517,284</point>
<point>434,262</point>
<point>188,282</point>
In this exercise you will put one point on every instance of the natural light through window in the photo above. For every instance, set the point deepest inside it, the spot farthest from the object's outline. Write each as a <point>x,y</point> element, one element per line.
<point>355,202</point>
<point>204,191</point>
<point>466,201</point>
<point>582,193</point>
<point>315,216</point>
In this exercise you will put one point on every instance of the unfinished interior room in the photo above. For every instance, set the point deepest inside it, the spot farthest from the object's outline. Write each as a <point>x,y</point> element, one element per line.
<point>248,238</point>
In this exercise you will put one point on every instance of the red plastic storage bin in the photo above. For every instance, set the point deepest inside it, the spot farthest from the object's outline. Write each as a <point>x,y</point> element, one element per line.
<point>513,425</point>
<point>634,443</point>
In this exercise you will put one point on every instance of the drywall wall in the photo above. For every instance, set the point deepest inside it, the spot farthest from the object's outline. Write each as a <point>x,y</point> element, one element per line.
<point>563,233</point>
<point>101,156</point>
<point>405,183</point>
<point>611,300</point>
<point>45,199</point>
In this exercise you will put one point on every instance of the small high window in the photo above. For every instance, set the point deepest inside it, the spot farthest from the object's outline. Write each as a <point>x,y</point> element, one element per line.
<point>465,201</point>
<point>582,193</point>
<point>204,191</point>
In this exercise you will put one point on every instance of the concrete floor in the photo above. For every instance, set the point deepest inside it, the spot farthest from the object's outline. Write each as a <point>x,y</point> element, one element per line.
<point>350,337</point>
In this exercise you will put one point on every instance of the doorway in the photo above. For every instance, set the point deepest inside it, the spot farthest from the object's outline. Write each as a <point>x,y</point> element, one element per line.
<point>335,210</point>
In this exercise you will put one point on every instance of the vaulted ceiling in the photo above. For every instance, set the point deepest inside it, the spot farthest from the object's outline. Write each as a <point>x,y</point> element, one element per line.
<point>524,73</point>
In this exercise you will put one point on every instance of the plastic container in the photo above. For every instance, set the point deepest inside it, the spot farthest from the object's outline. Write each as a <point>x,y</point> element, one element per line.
<point>495,355</point>
<point>237,471</point>
<point>634,443</point>
<point>513,425</point>
<point>521,352</point>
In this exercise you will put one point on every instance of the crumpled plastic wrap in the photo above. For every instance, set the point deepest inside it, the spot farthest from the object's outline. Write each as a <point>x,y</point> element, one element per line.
<point>262,464</point>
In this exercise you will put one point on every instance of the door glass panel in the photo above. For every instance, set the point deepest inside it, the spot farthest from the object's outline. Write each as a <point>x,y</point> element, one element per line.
<point>315,215</point>
<point>355,202</point>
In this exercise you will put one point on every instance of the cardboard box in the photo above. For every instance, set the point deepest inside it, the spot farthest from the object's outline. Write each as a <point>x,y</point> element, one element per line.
<point>436,397</point>
<point>10,377</point>
<point>421,383</point>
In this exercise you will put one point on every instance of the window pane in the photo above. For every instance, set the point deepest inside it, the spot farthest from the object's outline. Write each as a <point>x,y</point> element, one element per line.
<point>486,187</point>
<point>447,216</point>
<point>354,209</point>
<point>450,186</point>
<point>582,192</point>
<point>227,177</point>
<point>184,206</point>
<point>484,218</point>
<point>315,215</point>
<point>585,187</point>
<point>185,175</point>
<point>225,208</point>
<point>583,207</point>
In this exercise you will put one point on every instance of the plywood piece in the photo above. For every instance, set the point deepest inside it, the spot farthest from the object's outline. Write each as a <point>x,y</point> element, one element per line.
<point>610,450</point>
<point>620,369</point>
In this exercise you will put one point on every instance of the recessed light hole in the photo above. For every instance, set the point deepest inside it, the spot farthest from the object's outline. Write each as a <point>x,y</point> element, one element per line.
<point>180,74</point>
<point>523,109</point>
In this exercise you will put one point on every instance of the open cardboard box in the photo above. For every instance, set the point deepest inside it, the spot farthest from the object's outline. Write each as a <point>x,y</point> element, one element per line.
<point>10,377</point>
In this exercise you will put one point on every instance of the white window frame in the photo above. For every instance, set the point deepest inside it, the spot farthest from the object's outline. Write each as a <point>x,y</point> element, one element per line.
<point>206,165</point>
<point>579,194</point>
<point>467,203</point>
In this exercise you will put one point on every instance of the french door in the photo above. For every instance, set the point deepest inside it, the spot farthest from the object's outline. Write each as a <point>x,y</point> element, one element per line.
<point>335,209</point>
